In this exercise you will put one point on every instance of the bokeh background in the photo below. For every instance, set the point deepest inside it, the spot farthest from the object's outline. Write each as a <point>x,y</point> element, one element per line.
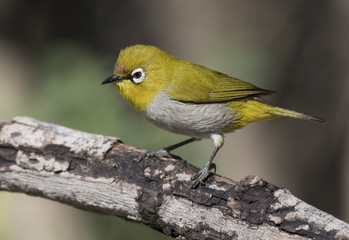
<point>54,54</point>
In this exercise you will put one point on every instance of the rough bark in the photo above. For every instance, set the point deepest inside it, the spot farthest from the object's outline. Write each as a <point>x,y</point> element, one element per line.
<point>100,174</point>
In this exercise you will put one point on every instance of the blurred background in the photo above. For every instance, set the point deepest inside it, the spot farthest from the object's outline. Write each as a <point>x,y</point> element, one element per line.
<point>54,55</point>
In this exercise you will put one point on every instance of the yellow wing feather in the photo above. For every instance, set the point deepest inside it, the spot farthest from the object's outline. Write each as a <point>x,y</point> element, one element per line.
<point>198,84</point>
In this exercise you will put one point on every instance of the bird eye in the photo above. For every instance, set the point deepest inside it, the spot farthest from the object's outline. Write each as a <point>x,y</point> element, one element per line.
<point>138,75</point>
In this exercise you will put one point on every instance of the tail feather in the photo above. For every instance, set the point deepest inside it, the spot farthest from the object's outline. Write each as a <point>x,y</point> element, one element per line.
<point>255,110</point>
<point>293,114</point>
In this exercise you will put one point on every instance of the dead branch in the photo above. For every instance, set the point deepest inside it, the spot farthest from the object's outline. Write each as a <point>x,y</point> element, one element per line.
<point>100,174</point>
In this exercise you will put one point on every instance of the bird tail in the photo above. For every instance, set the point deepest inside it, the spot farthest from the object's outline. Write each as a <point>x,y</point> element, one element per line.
<point>293,114</point>
<point>254,110</point>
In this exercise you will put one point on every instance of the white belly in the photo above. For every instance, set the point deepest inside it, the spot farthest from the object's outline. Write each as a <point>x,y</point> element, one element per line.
<point>195,120</point>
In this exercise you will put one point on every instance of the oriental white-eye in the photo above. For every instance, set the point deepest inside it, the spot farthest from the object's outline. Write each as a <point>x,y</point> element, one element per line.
<point>189,99</point>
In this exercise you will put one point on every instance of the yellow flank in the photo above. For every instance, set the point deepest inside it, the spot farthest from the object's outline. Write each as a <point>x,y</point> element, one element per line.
<point>253,110</point>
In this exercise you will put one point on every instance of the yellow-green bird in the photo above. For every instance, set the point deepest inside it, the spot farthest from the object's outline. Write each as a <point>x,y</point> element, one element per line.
<point>189,99</point>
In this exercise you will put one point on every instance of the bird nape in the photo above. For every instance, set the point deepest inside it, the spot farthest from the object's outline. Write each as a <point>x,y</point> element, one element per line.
<point>189,99</point>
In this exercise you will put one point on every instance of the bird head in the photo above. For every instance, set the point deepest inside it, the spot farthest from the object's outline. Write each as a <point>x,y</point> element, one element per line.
<point>141,73</point>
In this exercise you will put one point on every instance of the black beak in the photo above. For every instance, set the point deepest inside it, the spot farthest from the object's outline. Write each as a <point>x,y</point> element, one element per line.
<point>112,78</point>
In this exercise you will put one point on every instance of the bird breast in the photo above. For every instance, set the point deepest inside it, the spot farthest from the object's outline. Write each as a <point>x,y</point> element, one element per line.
<point>195,120</point>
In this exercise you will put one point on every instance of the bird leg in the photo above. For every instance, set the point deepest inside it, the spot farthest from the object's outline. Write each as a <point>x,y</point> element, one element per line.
<point>165,152</point>
<point>201,176</point>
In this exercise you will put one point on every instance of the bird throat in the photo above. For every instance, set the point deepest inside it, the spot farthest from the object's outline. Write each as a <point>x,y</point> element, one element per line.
<point>130,92</point>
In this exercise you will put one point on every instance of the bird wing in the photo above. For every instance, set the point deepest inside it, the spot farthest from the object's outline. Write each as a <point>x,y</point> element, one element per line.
<point>198,84</point>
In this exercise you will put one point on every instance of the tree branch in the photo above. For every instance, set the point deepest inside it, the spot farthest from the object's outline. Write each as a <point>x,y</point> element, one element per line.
<point>100,174</point>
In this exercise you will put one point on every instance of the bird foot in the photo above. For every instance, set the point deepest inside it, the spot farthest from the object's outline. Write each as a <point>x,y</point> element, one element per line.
<point>201,176</point>
<point>161,153</point>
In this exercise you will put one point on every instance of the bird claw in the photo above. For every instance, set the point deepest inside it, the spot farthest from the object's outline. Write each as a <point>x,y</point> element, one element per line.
<point>161,153</point>
<point>201,176</point>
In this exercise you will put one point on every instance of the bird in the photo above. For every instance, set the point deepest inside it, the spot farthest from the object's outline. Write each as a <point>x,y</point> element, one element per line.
<point>189,99</point>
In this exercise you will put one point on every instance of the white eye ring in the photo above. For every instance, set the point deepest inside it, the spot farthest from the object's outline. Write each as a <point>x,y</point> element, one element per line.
<point>138,75</point>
